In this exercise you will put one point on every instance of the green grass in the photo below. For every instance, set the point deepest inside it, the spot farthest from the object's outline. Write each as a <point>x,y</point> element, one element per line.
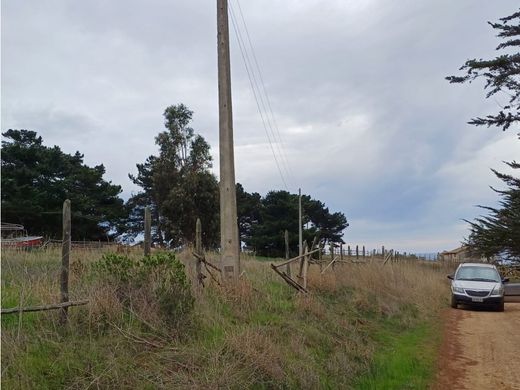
<point>261,335</point>
<point>404,360</point>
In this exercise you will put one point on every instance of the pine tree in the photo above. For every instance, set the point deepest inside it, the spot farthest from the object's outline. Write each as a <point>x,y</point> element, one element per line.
<point>501,74</point>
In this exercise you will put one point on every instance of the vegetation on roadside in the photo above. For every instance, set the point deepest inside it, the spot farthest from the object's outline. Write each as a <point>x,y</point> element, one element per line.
<point>358,320</point>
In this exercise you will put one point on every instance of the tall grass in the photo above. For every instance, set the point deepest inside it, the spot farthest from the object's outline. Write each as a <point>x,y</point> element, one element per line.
<point>256,333</point>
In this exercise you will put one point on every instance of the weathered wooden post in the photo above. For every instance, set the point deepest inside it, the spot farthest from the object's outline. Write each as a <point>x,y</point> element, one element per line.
<point>341,251</point>
<point>198,249</point>
<point>348,251</point>
<point>147,231</point>
<point>363,252</point>
<point>65,254</point>
<point>300,223</point>
<point>357,252</point>
<point>383,251</point>
<point>287,253</point>
<point>305,266</point>
<point>332,253</point>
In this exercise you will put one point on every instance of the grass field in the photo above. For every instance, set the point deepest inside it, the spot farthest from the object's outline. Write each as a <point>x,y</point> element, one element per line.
<point>363,326</point>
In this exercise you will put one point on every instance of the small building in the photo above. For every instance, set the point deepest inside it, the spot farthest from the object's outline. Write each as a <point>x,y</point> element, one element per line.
<point>460,255</point>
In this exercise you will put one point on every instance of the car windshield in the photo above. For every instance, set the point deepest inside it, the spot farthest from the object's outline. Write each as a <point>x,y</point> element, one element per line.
<point>481,274</point>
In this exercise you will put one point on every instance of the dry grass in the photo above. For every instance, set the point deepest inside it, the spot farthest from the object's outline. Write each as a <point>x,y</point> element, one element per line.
<point>258,332</point>
<point>392,285</point>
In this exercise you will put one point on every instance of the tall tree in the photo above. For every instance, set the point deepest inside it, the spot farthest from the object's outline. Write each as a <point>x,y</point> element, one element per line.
<point>498,234</point>
<point>177,185</point>
<point>501,74</point>
<point>267,219</point>
<point>36,179</point>
<point>248,211</point>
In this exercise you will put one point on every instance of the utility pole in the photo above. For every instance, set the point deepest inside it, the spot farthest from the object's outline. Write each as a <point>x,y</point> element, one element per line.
<point>229,241</point>
<point>147,231</point>
<point>300,223</point>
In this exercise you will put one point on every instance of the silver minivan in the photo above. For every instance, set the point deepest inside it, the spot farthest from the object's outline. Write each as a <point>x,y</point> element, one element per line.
<point>477,284</point>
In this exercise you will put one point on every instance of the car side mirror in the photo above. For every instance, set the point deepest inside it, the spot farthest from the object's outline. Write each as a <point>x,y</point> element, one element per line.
<point>450,277</point>
<point>505,280</point>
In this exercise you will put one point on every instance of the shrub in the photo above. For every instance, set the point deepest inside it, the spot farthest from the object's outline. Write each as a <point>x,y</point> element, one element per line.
<point>152,282</point>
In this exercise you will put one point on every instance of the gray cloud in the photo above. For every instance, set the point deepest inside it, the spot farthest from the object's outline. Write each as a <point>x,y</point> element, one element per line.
<point>370,125</point>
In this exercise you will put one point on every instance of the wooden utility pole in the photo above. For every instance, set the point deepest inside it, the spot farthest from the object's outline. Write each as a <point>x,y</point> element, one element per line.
<point>147,231</point>
<point>65,253</point>
<point>198,249</point>
<point>300,223</point>
<point>287,254</point>
<point>229,241</point>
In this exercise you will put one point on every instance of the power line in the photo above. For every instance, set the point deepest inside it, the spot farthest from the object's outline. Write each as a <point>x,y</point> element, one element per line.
<point>277,131</point>
<point>252,82</point>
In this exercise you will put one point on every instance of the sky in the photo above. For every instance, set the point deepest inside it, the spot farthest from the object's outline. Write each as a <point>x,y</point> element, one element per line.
<point>367,123</point>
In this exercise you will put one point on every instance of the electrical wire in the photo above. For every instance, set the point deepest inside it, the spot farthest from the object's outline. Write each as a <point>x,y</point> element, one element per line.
<point>276,131</point>
<point>261,106</point>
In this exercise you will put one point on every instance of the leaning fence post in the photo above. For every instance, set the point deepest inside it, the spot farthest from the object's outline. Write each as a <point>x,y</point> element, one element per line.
<point>287,254</point>
<point>147,231</point>
<point>65,254</point>
<point>198,249</point>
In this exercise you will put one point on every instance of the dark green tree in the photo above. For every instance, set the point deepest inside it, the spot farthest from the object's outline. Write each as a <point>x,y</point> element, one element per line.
<point>320,221</point>
<point>501,74</point>
<point>177,185</point>
<point>36,179</point>
<point>277,212</point>
<point>248,211</point>
<point>498,234</point>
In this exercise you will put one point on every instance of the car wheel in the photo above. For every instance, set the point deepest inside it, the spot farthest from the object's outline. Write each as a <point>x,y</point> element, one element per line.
<point>500,306</point>
<point>453,302</point>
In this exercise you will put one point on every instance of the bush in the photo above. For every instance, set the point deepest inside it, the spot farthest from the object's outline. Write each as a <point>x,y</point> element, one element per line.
<point>152,282</point>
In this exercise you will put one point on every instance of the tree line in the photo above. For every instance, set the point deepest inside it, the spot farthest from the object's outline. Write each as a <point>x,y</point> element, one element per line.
<point>176,184</point>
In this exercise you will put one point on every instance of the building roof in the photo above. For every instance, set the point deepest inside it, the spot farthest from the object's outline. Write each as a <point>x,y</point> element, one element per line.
<point>456,250</point>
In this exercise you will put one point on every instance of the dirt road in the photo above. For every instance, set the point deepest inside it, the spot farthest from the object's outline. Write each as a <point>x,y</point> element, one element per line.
<point>480,350</point>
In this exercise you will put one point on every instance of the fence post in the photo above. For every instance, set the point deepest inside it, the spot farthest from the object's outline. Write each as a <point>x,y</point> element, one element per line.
<point>357,251</point>
<point>147,231</point>
<point>332,253</point>
<point>305,266</point>
<point>198,249</point>
<point>383,251</point>
<point>65,254</point>
<point>363,252</point>
<point>348,251</point>
<point>341,251</point>
<point>287,254</point>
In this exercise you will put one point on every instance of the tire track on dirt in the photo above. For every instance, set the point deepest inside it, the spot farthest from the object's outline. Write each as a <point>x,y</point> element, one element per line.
<point>480,350</point>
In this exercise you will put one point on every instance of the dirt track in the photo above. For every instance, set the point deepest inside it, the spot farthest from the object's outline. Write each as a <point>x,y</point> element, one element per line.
<point>480,350</point>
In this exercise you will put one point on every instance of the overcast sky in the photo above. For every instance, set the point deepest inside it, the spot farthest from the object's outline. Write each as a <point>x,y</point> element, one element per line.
<point>368,123</point>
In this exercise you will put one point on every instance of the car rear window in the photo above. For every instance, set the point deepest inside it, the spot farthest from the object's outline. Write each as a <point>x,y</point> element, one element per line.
<point>483,274</point>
